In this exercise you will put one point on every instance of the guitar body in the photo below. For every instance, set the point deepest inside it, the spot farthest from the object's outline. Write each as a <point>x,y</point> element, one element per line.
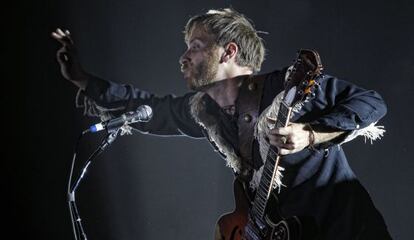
<point>233,226</point>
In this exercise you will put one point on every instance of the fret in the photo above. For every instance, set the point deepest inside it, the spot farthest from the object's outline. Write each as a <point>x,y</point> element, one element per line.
<point>261,206</point>
<point>259,209</point>
<point>280,124</point>
<point>281,121</point>
<point>261,203</point>
<point>269,169</point>
<point>262,198</point>
<point>264,185</point>
<point>261,213</point>
<point>261,195</point>
<point>263,188</point>
<point>271,162</point>
<point>281,118</point>
<point>283,111</point>
<point>267,174</point>
<point>254,212</point>
<point>266,181</point>
<point>269,166</point>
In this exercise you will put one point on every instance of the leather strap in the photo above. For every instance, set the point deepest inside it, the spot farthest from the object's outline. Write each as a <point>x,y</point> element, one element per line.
<point>248,104</point>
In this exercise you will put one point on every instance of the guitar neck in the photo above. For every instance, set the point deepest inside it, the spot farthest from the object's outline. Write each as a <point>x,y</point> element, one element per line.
<point>270,167</point>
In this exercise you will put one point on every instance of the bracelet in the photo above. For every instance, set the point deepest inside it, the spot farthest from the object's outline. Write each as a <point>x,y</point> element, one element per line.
<point>311,136</point>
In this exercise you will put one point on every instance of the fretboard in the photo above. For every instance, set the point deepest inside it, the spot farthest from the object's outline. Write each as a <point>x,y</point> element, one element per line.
<point>270,167</point>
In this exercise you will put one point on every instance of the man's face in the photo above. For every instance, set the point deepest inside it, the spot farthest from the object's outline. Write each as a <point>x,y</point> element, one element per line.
<point>200,62</point>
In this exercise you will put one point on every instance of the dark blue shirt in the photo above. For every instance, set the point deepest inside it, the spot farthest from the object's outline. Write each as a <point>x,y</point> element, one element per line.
<point>319,183</point>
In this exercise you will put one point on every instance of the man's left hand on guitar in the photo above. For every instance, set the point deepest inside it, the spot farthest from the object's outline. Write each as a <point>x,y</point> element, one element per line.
<point>290,139</point>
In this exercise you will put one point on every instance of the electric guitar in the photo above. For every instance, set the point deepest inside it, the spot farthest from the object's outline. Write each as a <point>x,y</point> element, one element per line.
<point>261,219</point>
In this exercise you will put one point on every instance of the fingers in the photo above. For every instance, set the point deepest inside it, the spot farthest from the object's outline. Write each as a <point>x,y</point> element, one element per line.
<point>284,151</point>
<point>288,139</point>
<point>63,37</point>
<point>280,140</point>
<point>282,131</point>
<point>59,31</point>
<point>284,147</point>
<point>62,55</point>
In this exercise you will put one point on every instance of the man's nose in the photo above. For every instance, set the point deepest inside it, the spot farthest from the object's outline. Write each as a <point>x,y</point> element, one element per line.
<point>184,58</point>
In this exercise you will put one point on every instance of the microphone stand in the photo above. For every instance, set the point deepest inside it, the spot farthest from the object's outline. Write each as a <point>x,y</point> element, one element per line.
<point>78,229</point>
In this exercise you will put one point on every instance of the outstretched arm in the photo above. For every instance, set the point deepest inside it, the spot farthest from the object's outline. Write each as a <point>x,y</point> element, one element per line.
<point>106,99</point>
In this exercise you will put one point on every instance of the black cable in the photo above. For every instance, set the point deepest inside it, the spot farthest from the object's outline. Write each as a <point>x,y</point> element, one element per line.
<point>77,227</point>
<point>70,196</point>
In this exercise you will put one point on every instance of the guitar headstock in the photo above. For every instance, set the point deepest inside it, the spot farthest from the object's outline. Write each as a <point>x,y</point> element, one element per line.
<point>300,82</point>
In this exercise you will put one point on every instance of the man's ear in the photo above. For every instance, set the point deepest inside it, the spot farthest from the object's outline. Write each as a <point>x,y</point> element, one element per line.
<point>230,51</point>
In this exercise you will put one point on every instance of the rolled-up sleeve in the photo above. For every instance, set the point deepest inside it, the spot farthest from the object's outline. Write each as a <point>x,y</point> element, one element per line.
<point>341,105</point>
<point>348,107</point>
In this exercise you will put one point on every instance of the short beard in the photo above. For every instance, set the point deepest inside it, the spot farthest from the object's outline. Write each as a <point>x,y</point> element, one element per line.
<point>206,71</point>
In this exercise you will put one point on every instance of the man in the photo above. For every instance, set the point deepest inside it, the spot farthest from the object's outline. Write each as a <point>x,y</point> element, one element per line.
<point>234,109</point>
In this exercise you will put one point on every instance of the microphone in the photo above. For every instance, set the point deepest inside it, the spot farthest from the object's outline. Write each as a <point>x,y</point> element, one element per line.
<point>142,114</point>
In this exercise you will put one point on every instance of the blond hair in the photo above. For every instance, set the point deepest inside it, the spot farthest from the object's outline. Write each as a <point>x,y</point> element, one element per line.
<point>227,25</point>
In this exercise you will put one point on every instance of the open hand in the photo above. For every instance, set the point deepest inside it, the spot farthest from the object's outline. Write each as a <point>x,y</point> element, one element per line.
<point>67,58</point>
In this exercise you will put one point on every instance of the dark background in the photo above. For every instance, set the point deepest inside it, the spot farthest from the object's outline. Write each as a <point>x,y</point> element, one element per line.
<point>145,187</point>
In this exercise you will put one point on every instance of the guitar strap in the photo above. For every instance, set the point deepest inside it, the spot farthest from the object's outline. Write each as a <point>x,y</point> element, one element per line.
<point>248,104</point>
